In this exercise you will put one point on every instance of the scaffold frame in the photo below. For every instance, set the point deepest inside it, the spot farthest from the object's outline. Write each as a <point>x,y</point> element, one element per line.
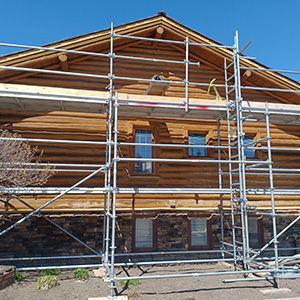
<point>233,111</point>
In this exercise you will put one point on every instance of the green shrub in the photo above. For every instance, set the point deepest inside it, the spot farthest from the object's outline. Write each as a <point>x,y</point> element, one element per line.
<point>129,282</point>
<point>46,282</point>
<point>81,274</point>
<point>52,272</point>
<point>19,276</point>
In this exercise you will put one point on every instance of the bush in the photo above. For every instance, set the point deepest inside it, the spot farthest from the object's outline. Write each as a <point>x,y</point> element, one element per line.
<point>47,281</point>
<point>19,276</point>
<point>52,272</point>
<point>129,282</point>
<point>81,274</point>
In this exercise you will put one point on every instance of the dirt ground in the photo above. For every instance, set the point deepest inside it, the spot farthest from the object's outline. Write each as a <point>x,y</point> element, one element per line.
<point>187,288</point>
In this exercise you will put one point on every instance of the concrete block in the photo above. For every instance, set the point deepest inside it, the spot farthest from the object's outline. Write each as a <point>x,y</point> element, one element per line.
<point>274,291</point>
<point>106,298</point>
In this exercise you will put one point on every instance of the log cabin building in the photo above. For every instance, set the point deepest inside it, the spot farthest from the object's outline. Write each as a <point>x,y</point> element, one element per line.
<point>177,194</point>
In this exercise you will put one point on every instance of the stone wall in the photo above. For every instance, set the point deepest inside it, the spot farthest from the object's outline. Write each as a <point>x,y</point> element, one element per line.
<point>37,237</point>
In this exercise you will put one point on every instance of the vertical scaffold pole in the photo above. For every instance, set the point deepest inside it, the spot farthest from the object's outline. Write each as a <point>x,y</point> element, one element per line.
<point>109,143</point>
<point>241,155</point>
<point>275,241</point>
<point>228,105</point>
<point>107,164</point>
<point>114,201</point>
<point>186,74</point>
<point>220,187</point>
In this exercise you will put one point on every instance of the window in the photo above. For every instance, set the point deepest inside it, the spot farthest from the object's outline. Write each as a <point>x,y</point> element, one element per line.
<point>249,152</point>
<point>143,136</point>
<point>200,233</point>
<point>144,234</point>
<point>197,139</point>
<point>255,229</point>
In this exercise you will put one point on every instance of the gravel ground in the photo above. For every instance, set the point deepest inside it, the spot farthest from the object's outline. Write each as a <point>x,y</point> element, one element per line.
<point>187,288</point>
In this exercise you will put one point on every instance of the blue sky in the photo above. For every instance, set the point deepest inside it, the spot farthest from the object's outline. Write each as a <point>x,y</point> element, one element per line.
<point>273,25</point>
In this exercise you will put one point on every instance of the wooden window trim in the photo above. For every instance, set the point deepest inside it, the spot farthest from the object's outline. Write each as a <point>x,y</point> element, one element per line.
<point>155,150</point>
<point>154,237</point>
<point>209,245</point>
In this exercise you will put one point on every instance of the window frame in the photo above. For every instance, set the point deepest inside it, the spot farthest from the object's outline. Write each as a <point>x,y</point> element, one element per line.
<point>260,232</point>
<point>209,244</point>
<point>208,140</point>
<point>154,234</point>
<point>205,149</point>
<point>245,149</point>
<point>155,150</point>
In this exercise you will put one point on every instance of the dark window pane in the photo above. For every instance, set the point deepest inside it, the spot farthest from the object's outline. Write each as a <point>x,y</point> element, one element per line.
<point>143,233</point>
<point>199,232</point>
<point>250,153</point>
<point>143,136</point>
<point>253,232</point>
<point>197,139</point>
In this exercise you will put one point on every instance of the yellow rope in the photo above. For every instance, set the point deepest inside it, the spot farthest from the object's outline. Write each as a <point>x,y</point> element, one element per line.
<point>214,88</point>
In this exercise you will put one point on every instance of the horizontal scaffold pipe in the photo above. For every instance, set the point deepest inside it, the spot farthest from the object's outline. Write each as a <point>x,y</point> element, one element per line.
<point>173,262</point>
<point>55,72</point>
<point>55,141</point>
<point>166,81</point>
<point>63,165</point>
<point>104,76</point>
<point>170,41</point>
<point>209,161</point>
<point>276,191</point>
<point>272,111</point>
<point>54,49</point>
<point>274,169</point>
<point>56,170</point>
<point>117,255</point>
<point>105,143</point>
<point>102,190</point>
<point>50,257</point>
<point>171,190</point>
<point>268,174</point>
<point>270,70</point>
<point>157,60</point>
<point>275,149</point>
<point>168,252</point>
<point>148,253</point>
<point>60,267</point>
<point>195,274</point>
<point>172,145</point>
<point>269,89</point>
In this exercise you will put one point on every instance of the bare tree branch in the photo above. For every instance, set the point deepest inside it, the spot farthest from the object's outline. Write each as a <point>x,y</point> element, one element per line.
<point>20,165</point>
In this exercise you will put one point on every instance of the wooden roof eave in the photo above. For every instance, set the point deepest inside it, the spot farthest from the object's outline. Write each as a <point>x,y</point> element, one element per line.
<point>44,58</point>
<point>80,43</point>
<point>275,77</point>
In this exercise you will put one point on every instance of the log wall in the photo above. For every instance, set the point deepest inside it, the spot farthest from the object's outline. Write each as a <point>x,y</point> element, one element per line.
<point>83,126</point>
<point>134,69</point>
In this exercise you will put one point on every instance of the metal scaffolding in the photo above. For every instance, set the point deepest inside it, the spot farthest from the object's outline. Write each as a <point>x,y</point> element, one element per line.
<point>235,112</point>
